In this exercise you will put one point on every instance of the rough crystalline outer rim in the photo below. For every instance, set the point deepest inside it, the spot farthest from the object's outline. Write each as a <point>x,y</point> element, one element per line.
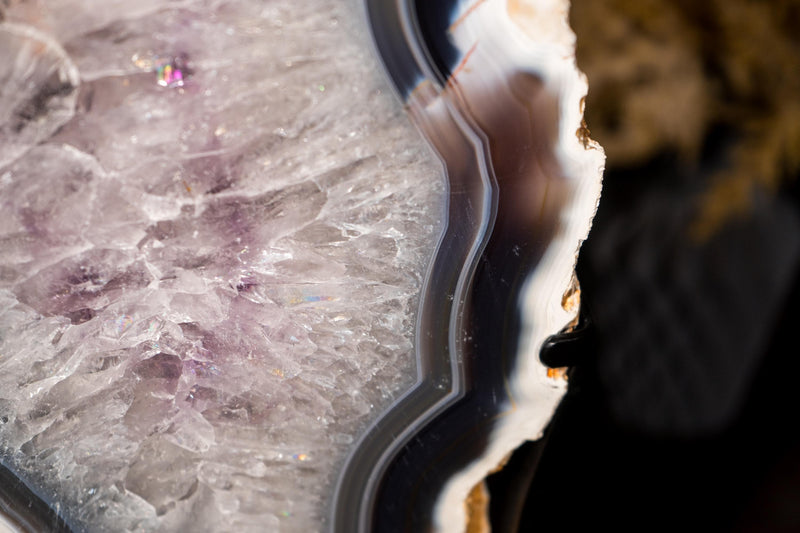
<point>514,54</point>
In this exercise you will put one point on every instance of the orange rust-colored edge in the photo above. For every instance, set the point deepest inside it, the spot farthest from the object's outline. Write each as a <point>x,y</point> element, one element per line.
<point>477,504</point>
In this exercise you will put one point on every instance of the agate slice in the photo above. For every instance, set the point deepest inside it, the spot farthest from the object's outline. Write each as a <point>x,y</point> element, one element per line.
<point>237,289</point>
<point>494,88</point>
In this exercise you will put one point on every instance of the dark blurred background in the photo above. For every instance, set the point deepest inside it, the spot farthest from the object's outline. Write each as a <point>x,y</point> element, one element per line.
<point>682,407</point>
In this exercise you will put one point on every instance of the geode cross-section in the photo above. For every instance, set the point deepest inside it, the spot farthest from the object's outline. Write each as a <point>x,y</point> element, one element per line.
<point>239,291</point>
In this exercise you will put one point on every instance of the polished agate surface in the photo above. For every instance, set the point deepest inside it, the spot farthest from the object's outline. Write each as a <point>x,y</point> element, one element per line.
<point>494,87</point>
<point>215,220</point>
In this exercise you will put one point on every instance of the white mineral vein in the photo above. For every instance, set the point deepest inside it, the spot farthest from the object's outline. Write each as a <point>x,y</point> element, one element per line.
<point>531,36</point>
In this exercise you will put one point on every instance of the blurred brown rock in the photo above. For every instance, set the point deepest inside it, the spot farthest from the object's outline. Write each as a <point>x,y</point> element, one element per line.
<point>664,74</point>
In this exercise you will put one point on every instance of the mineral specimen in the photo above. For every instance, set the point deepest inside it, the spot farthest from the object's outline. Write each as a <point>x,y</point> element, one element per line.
<point>217,232</point>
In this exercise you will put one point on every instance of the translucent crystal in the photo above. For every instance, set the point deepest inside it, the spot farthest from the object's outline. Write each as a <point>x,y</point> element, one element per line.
<point>207,289</point>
